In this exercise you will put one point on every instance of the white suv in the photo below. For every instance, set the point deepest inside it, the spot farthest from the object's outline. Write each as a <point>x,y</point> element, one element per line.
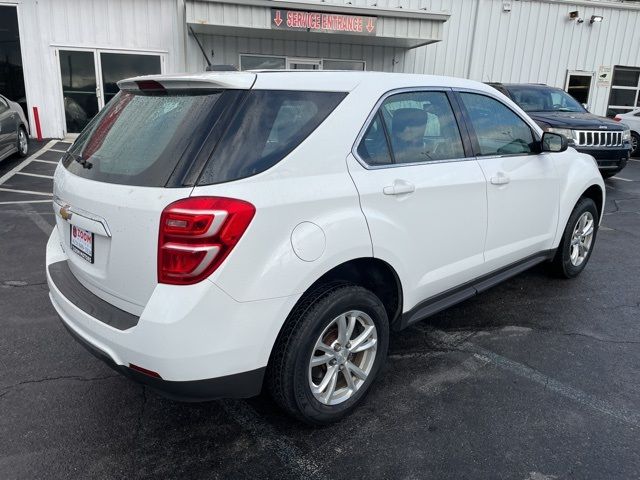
<point>221,231</point>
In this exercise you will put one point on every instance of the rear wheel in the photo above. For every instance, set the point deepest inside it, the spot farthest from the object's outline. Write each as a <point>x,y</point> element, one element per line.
<point>23,142</point>
<point>578,240</point>
<point>329,353</point>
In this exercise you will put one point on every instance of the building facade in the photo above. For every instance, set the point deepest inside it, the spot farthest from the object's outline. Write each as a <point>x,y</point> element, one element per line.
<point>62,58</point>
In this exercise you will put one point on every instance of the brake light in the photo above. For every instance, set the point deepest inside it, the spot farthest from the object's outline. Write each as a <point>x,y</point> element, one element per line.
<point>617,118</point>
<point>197,234</point>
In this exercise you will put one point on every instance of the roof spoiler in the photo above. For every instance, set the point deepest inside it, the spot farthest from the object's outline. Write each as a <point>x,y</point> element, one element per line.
<point>200,81</point>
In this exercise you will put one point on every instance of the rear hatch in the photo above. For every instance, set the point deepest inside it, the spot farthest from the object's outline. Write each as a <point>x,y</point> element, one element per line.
<point>143,151</point>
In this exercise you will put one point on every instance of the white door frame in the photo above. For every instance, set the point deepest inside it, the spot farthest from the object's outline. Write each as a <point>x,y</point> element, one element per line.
<point>580,73</point>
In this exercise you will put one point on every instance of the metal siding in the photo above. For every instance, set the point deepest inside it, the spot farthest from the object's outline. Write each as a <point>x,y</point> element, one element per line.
<point>534,42</point>
<point>156,25</point>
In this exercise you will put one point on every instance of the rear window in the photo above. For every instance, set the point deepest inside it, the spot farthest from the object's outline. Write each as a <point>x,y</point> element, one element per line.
<point>140,139</point>
<point>265,129</point>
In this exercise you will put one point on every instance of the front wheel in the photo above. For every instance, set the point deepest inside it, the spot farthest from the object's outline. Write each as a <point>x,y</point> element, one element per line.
<point>635,144</point>
<point>578,240</point>
<point>328,354</point>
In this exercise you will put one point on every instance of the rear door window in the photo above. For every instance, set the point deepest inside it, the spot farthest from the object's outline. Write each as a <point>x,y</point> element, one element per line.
<point>422,127</point>
<point>265,129</point>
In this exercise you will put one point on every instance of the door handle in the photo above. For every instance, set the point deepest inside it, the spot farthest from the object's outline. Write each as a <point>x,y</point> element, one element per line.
<point>500,179</point>
<point>399,187</point>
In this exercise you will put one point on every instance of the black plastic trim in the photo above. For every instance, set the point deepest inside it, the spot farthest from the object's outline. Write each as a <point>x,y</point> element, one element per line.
<point>442,301</point>
<point>81,297</point>
<point>239,385</point>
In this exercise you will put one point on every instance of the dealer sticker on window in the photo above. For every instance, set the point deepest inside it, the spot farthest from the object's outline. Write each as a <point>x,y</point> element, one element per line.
<point>82,243</point>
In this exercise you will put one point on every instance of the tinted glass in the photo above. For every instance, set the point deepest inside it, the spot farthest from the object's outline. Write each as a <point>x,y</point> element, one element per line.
<point>139,139</point>
<point>116,66</point>
<point>622,98</point>
<point>626,77</point>
<point>542,99</point>
<point>78,74</point>
<point>342,65</point>
<point>498,129</point>
<point>421,127</point>
<point>266,128</point>
<point>579,86</point>
<point>373,148</point>
<point>251,62</point>
<point>4,106</point>
<point>11,76</point>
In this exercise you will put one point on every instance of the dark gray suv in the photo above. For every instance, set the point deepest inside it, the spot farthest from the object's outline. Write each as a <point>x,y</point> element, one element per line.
<point>607,141</point>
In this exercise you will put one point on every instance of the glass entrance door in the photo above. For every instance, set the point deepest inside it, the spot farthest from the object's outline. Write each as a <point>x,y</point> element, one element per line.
<point>79,82</point>
<point>90,79</point>
<point>116,66</point>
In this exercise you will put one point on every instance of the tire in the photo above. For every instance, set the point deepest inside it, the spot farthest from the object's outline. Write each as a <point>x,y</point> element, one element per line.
<point>566,264</point>
<point>290,376</point>
<point>635,142</point>
<point>23,148</point>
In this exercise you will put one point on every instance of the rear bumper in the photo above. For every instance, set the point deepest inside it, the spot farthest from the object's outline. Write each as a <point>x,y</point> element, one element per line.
<point>239,385</point>
<point>201,342</point>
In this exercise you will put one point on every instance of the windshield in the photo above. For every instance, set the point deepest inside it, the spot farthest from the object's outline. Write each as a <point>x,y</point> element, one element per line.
<point>540,99</point>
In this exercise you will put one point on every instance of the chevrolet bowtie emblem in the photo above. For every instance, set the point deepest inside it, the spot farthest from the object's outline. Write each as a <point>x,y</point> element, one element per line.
<point>65,212</point>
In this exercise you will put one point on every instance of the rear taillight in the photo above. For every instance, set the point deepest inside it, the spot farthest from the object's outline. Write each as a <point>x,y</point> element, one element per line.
<point>197,234</point>
<point>617,118</point>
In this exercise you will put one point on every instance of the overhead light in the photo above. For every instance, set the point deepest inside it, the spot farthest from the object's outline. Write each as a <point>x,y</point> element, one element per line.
<point>595,19</point>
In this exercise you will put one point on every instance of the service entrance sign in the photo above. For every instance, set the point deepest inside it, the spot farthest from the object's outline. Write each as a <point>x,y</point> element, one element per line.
<point>319,22</point>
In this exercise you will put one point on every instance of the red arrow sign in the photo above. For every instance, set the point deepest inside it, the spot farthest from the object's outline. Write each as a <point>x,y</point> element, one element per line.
<point>278,19</point>
<point>370,26</point>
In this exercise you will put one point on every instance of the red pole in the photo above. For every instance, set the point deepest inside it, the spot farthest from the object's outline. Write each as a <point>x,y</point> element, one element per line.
<point>36,119</point>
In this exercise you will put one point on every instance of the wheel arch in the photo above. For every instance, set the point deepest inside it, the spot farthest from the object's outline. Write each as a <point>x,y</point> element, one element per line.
<point>595,193</point>
<point>371,273</point>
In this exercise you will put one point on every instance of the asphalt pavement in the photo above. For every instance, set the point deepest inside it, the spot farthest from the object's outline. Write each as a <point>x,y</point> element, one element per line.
<point>535,379</point>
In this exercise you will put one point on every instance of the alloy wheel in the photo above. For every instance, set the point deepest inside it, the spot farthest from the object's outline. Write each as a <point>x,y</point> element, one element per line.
<point>581,239</point>
<point>22,142</point>
<point>343,357</point>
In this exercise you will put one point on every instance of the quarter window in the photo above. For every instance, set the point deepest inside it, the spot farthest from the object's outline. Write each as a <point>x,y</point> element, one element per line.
<point>498,129</point>
<point>373,147</point>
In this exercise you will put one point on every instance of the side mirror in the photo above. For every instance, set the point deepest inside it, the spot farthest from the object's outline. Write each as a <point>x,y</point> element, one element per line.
<point>554,142</point>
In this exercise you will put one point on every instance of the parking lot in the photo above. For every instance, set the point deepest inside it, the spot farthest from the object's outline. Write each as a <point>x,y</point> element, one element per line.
<point>535,379</point>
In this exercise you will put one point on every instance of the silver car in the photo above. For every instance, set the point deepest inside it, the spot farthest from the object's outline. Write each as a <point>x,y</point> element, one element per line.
<point>13,129</point>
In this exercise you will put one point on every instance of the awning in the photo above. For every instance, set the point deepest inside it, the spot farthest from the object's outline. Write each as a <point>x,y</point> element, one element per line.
<point>315,21</point>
